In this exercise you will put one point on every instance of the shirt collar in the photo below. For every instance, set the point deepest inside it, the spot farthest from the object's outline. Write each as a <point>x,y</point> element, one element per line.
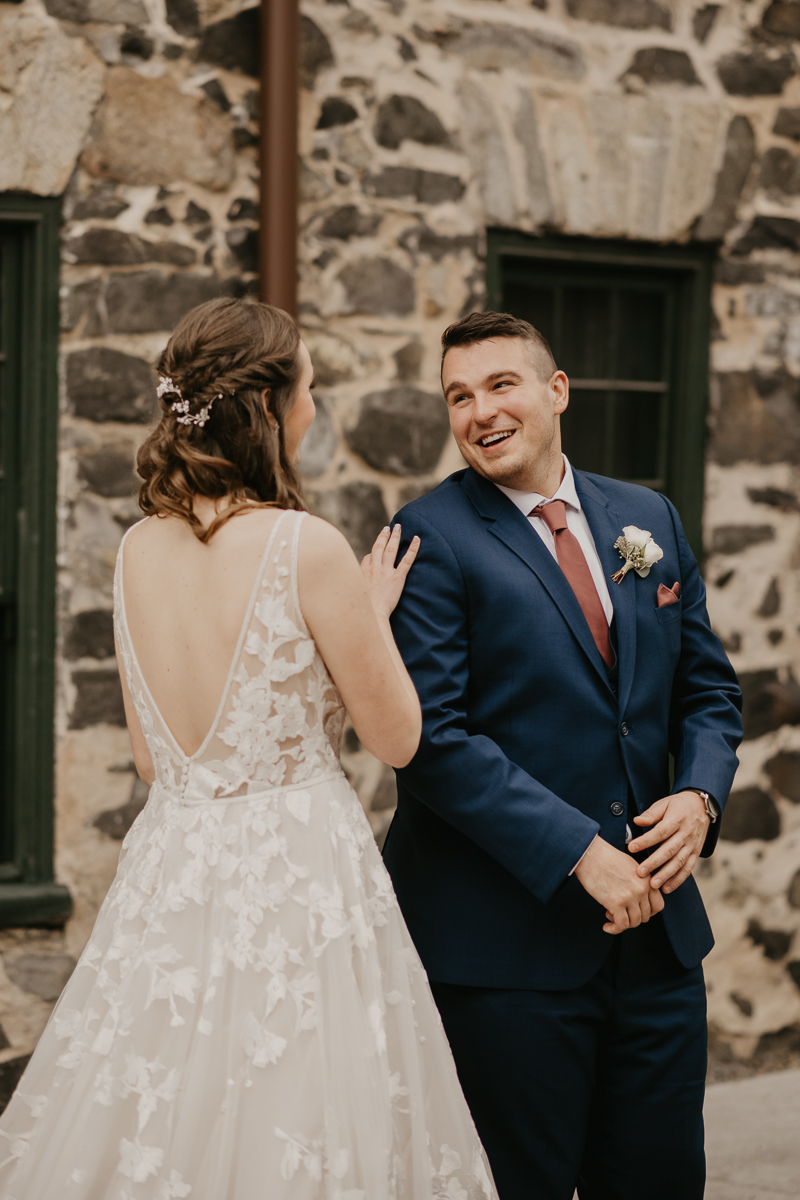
<point>526,501</point>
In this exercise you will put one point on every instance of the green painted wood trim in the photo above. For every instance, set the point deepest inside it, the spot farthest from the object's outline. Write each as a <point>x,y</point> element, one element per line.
<point>36,221</point>
<point>34,904</point>
<point>694,266</point>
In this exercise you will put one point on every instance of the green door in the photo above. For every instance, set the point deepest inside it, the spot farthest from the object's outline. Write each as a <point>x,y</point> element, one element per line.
<point>9,540</point>
<point>29,266</point>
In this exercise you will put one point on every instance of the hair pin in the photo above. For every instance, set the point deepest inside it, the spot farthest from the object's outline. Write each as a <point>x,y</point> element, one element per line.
<point>181,407</point>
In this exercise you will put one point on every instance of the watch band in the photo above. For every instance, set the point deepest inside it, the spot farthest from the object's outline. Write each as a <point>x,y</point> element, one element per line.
<point>710,806</point>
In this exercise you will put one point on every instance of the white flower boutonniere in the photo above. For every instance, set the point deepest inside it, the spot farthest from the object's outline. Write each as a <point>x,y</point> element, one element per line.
<point>639,550</point>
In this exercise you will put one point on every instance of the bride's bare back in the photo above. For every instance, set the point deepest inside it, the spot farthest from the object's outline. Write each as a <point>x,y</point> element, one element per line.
<point>185,602</point>
<point>185,607</point>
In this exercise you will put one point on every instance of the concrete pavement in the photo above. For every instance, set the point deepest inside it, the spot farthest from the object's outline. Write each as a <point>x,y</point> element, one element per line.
<point>753,1138</point>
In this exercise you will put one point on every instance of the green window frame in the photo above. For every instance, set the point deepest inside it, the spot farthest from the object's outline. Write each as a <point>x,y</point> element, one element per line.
<point>29,282</point>
<point>639,385</point>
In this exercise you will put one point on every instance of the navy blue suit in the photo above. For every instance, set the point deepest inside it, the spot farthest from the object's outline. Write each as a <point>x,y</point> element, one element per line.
<point>530,747</point>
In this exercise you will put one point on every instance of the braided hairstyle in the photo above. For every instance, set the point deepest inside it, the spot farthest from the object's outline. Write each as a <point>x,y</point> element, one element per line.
<point>224,353</point>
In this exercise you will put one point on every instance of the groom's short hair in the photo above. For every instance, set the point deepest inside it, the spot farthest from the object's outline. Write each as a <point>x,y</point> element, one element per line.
<point>481,326</point>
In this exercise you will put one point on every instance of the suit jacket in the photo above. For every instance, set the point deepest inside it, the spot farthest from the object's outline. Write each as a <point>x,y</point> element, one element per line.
<point>530,746</point>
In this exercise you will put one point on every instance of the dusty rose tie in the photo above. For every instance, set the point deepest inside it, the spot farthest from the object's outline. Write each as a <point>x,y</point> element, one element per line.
<point>573,563</point>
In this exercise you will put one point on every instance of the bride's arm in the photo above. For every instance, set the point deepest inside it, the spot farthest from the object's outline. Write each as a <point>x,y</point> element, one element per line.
<point>141,755</point>
<point>348,615</point>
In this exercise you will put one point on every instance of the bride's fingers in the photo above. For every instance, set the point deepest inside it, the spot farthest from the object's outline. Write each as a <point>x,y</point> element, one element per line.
<point>384,552</point>
<point>407,561</point>
<point>379,545</point>
<point>392,545</point>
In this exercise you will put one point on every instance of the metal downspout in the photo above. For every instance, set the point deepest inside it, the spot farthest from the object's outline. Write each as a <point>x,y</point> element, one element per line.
<point>278,153</point>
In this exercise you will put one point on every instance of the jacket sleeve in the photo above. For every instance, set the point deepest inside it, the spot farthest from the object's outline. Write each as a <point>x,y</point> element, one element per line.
<point>705,711</point>
<point>463,776</point>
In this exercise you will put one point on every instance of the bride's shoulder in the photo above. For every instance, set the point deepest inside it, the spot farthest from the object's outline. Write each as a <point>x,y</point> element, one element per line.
<point>322,546</point>
<point>139,535</point>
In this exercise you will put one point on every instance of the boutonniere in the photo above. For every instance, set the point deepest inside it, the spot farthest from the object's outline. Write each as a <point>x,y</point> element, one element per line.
<point>639,550</point>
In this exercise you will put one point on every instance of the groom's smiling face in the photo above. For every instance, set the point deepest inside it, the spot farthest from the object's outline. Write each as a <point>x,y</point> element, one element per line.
<point>504,414</point>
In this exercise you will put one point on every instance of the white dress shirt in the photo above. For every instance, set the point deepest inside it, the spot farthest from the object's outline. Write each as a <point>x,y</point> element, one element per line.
<point>576,524</point>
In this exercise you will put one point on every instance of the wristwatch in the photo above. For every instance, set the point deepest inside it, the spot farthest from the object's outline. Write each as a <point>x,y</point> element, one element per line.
<point>711,805</point>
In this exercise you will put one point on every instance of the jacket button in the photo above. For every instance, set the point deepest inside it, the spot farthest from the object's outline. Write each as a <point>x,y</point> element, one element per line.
<point>624,729</point>
<point>617,809</point>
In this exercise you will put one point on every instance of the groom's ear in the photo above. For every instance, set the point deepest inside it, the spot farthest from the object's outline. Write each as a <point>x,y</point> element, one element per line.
<point>559,390</point>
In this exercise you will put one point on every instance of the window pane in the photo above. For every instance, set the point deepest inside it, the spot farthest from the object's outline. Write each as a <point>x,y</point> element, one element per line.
<point>537,305</point>
<point>653,302</point>
<point>585,343</point>
<point>602,326</point>
<point>583,430</point>
<point>640,335</point>
<point>637,436</point>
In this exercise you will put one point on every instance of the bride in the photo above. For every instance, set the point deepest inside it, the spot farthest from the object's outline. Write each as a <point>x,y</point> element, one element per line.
<point>249,1018</point>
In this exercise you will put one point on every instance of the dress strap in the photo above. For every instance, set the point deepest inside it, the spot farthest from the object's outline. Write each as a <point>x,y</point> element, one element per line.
<point>120,620</point>
<point>294,560</point>
<point>122,636</point>
<point>123,540</point>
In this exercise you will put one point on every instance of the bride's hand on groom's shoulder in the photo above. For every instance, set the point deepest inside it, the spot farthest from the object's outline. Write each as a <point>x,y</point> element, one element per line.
<point>611,877</point>
<point>679,825</point>
<point>385,580</point>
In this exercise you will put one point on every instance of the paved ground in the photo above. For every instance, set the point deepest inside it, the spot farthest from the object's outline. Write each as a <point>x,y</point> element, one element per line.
<point>753,1138</point>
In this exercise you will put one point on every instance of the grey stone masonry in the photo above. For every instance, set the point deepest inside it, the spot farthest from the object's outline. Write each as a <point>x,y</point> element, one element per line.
<point>422,123</point>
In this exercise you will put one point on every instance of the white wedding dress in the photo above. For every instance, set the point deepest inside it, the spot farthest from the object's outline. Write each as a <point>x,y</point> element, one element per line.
<point>249,1020</point>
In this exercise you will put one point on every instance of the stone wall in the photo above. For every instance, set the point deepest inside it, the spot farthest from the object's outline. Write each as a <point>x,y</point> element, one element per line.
<point>422,123</point>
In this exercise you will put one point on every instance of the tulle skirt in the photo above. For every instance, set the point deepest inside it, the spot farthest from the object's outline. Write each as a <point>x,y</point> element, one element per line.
<point>248,1020</point>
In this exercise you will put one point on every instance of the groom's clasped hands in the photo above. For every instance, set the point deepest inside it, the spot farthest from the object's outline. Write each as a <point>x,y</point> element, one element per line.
<point>631,892</point>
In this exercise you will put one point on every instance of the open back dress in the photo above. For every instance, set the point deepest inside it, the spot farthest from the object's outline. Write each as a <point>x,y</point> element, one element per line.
<point>249,1019</point>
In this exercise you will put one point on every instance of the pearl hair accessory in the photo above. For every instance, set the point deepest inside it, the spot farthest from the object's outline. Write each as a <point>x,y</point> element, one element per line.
<point>180,406</point>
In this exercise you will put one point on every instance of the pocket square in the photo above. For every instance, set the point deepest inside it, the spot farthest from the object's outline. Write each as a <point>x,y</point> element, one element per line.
<point>666,595</point>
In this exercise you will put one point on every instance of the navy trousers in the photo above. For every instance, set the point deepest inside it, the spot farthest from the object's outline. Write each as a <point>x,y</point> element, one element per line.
<point>599,1088</point>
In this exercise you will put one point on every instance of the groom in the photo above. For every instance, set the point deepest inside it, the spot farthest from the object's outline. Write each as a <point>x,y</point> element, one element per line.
<point>541,855</point>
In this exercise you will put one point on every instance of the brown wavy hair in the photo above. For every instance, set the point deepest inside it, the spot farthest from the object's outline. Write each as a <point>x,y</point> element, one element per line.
<point>224,353</point>
<point>481,326</point>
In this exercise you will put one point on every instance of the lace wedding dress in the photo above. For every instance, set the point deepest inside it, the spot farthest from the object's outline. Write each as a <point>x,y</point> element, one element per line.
<point>249,1020</point>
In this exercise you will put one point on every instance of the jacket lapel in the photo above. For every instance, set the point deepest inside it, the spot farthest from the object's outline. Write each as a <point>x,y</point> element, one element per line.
<point>606,526</point>
<point>507,524</point>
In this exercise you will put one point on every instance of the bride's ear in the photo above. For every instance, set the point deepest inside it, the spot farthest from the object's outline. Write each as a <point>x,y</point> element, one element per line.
<point>273,421</point>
